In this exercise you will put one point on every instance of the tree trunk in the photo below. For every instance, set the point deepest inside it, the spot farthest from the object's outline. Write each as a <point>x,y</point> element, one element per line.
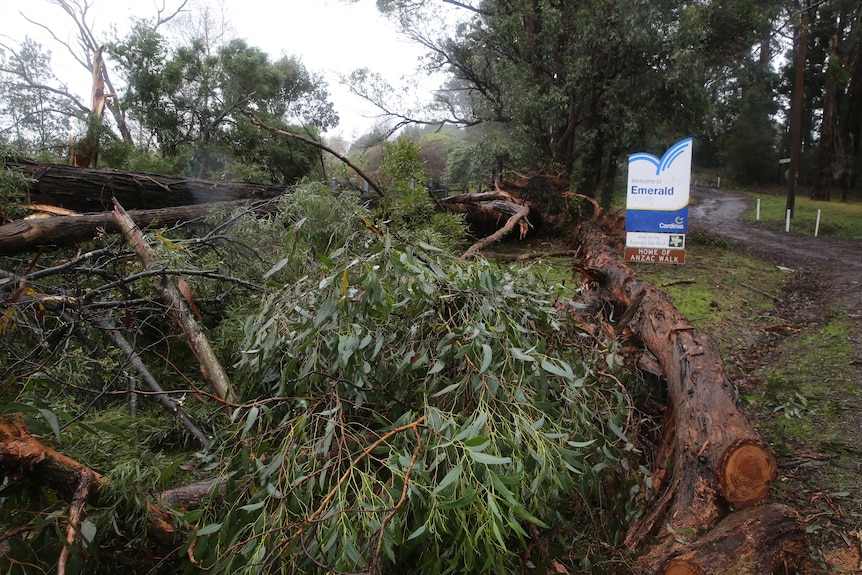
<point>28,234</point>
<point>768,538</point>
<point>717,457</point>
<point>91,190</point>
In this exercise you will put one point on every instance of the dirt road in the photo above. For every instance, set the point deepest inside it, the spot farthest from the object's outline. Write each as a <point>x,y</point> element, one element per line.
<point>839,260</point>
<point>835,264</point>
<point>826,464</point>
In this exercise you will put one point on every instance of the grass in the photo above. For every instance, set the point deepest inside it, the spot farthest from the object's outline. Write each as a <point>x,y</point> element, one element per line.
<point>719,287</point>
<point>838,219</point>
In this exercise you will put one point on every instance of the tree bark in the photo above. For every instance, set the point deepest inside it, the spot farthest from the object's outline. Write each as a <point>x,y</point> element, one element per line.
<point>211,368</point>
<point>768,538</point>
<point>718,458</point>
<point>28,234</point>
<point>91,190</point>
<point>23,456</point>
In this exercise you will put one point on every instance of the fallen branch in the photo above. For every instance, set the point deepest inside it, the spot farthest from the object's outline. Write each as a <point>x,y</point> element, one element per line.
<point>88,190</point>
<point>134,359</point>
<point>521,213</point>
<point>210,366</point>
<point>257,122</point>
<point>23,456</point>
<point>761,292</point>
<point>76,510</point>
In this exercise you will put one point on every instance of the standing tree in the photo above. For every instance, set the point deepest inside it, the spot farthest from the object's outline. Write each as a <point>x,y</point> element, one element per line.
<point>580,83</point>
<point>190,101</point>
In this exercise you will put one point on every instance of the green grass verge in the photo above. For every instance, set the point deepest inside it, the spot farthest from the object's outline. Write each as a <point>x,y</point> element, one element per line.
<point>721,290</point>
<point>837,219</point>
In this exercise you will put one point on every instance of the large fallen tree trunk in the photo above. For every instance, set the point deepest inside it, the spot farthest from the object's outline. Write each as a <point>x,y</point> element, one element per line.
<point>91,190</point>
<point>31,233</point>
<point>717,457</point>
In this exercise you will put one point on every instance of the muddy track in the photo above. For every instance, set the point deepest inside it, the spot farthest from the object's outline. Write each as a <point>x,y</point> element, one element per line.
<point>834,264</point>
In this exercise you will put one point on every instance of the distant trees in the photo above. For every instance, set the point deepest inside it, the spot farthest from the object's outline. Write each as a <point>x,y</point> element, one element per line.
<point>183,94</point>
<point>36,111</point>
<point>578,84</point>
<point>190,99</point>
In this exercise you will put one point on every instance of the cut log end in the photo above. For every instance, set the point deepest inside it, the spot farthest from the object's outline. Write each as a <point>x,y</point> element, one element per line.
<point>746,470</point>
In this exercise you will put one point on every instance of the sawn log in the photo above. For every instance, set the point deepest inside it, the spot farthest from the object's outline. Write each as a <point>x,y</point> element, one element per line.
<point>718,459</point>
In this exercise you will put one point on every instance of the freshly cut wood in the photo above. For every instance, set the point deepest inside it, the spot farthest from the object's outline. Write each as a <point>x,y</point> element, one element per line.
<point>768,538</point>
<point>91,190</point>
<point>718,458</point>
<point>28,234</point>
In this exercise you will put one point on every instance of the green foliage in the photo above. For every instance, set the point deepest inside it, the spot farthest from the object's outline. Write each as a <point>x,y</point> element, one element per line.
<point>422,416</point>
<point>398,409</point>
<point>408,204</point>
<point>13,190</point>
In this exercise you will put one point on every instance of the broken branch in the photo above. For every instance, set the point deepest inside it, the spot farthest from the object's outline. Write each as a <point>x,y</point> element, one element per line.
<point>210,366</point>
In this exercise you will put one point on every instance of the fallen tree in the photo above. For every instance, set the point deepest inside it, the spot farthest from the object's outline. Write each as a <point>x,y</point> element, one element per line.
<point>29,234</point>
<point>714,456</point>
<point>90,190</point>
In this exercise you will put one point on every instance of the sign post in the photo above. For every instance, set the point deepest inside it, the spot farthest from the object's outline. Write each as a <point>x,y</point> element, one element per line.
<point>657,205</point>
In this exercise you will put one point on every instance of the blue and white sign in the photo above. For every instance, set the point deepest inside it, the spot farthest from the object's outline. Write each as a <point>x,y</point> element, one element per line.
<point>658,190</point>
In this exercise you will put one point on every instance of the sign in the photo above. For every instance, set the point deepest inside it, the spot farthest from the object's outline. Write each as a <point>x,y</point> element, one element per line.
<point>653,240</point>
<point>655,255</point>
<point>658,190</point>
<point>657,197</point>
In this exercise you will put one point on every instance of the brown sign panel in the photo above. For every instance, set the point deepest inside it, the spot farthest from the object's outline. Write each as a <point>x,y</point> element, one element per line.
<point>655,255</point>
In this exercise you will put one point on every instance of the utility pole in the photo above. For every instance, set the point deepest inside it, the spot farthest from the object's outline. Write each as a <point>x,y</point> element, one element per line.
<point>796,113</point>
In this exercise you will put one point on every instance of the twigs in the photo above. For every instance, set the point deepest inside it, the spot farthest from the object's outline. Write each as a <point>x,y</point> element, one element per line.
<point>172,406</point>
<point>76,511</point>
<point>365,453</point>
<point>404,490</point>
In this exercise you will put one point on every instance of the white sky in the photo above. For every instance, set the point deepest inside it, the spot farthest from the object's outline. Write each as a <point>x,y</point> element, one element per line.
<point>330,36</point>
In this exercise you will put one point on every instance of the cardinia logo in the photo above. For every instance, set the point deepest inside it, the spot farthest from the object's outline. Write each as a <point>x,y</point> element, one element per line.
<point>678,223</point>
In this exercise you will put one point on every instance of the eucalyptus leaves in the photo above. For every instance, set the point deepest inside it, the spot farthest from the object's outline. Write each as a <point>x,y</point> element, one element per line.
<point>408,413</point>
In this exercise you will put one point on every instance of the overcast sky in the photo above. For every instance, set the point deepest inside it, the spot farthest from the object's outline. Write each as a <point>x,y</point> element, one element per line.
<point>331,37</point>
